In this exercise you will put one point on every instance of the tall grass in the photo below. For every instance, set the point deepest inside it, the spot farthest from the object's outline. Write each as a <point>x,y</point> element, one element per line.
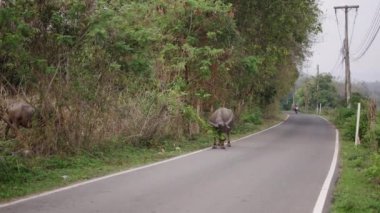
<point>358,188</point>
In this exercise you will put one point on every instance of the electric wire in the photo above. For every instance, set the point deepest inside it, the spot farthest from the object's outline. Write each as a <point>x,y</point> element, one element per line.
<point>370,36</point>
<point>337,24</point>
<point>353,27</point>
<point>368,46</point>
<point>367,35</point>
<point>375,20</point>
<point>340,71</point>
<point>339,60</point>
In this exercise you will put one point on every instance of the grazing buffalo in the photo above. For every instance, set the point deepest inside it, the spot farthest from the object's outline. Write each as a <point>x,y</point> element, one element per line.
<point>222,121</point>
<point>16,115</point>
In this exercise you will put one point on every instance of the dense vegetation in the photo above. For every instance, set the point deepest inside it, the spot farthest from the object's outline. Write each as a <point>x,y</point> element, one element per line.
<point>358,188</point>
<point>146,70</point>
<point>318,90</point>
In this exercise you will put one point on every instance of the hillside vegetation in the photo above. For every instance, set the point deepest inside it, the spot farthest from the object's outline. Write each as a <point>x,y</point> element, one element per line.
<point>111,80</point>
<point>146,70</point>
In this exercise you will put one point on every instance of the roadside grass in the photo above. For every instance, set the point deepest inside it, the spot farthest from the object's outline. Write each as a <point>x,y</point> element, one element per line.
<point>358,187</point>
<point>356,190</point>
<point>23,176</point>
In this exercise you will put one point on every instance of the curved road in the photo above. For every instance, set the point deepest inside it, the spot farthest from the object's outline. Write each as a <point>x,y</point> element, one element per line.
<point>282,170</point>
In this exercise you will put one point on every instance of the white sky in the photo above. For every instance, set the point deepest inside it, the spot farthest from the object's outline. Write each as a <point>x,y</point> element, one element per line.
<point>327,46</point>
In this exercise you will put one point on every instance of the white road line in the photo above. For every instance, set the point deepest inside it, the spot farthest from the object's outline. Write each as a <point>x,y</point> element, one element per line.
<point>95,180</point>
<point>318,208</point>
<point>262,130</point>
<point>121,173</point>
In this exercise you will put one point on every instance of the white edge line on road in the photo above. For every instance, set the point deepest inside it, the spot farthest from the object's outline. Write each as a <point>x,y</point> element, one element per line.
<point>318,208</point>
<point>123,172</point>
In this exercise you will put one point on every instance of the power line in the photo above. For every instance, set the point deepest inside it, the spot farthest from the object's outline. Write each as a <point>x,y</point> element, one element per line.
<point>369,33</point>
<point>340,71</point>
<point>340,63</point>
<point>339,68</point>
<point>353,27</point>
<point>369,45</point>
<point>337,24</point>
<point>370,36</point>
<point>339,58</point>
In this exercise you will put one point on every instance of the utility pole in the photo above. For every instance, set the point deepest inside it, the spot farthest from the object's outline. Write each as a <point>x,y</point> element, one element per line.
<point>347,91</point>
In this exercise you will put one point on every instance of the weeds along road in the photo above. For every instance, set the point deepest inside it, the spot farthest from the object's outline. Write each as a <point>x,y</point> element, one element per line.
<point>282,170</point>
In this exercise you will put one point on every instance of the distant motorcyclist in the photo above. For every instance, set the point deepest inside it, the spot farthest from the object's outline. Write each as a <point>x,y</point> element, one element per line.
<point>296,109</point>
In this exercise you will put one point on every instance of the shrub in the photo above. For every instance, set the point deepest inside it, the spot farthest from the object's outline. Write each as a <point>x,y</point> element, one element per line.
<point>342,115</point>
<point>254,117</point>
<point>373,172</point>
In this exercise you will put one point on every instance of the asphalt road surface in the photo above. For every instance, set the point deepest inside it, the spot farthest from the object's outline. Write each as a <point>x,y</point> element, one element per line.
<point>280,170</point>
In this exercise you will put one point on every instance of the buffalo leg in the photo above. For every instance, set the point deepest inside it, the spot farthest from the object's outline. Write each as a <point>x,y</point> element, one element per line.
<point>214,146</point>
<point>228,138</point>
<point>10,125</point>
<point>221,142</point>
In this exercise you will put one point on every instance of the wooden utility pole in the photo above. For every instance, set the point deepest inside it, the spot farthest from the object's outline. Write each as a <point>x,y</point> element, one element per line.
<point>347,91</point>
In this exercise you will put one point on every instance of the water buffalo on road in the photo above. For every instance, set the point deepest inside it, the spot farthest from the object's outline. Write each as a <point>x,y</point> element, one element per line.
<point>222,121</point>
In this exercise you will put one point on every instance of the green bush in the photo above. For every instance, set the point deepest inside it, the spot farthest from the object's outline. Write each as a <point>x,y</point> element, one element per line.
<point>345,118</point>
<point>14,169</point>
<point>377,137</point>
<point>373,172</point>
<point>253,117</point>
<point>342,115</point>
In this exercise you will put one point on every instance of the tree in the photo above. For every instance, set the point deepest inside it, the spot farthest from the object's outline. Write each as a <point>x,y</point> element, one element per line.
<point>277,34</point>
<point>146,69</point>
<point>318,90</point>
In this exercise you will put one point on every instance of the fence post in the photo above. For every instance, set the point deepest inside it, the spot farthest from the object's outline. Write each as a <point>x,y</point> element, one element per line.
<point>357,139</point>
<point>317,110</point>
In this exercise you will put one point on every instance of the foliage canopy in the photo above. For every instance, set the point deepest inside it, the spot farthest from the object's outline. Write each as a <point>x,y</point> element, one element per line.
<point>147,69</point>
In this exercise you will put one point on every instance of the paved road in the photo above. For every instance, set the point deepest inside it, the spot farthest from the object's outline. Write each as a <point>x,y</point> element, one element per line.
<point>279,170</point>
